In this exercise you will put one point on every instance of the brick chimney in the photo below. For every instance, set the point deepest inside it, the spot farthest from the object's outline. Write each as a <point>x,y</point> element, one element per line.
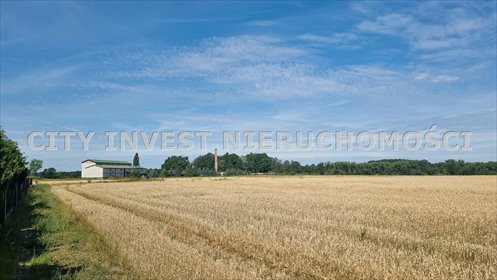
<point>215,160</point>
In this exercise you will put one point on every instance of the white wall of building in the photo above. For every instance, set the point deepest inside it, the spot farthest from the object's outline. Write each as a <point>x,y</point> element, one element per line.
<point>90,170</point>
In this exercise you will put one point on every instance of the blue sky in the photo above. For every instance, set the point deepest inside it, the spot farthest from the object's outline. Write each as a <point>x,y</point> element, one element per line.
<point>154,66</point>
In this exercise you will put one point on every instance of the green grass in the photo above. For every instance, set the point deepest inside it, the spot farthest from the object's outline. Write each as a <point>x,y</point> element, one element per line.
<point>45,239</point>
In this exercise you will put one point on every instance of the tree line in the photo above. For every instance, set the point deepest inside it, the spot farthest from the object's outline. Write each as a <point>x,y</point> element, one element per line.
<point>255,163</point>
<point>13,174</point>
<point>232,164</point>
<point>49,173</point>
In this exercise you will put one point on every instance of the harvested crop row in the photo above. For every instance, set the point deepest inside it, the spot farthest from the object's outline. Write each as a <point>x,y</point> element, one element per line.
<point>311,227</point>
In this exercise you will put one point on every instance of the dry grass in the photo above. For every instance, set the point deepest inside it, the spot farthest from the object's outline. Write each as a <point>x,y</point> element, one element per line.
<point>70,181</point>
<point>298,227</point>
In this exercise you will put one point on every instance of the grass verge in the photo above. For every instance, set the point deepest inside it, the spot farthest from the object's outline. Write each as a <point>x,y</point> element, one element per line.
<point>45,239</point>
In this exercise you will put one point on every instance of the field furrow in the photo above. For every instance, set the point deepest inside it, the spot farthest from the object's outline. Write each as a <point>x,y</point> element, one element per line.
<point>307,228</point>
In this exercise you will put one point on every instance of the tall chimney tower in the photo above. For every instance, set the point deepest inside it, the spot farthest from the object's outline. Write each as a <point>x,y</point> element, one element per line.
<point>215,160</point>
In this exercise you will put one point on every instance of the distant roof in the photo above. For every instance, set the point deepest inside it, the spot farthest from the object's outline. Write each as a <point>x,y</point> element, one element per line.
<point>108,162</point>
<point>119,166</point>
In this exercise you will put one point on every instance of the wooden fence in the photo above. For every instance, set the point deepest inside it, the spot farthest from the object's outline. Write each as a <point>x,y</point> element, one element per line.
<point>12,198</point>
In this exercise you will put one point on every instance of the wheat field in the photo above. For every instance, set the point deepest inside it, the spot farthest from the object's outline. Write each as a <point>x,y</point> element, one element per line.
<point>310,227</point>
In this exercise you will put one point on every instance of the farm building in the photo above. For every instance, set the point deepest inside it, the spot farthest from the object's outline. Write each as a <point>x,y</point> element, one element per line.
<point>96,168</point>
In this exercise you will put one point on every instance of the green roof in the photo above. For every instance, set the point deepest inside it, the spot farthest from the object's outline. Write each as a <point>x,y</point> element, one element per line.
<point>108,162</point>
<point>120,166</point>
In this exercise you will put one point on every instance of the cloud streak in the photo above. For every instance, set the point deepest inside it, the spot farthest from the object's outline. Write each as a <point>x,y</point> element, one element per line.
<point>366,66</point>
<point>454,29</point>
<point>334,39</point>
<point>445,78</point>
<point>257,66</point>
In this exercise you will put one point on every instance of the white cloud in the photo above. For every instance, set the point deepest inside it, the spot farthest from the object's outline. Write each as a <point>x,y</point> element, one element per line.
<point>388,24</point>
<point>39,78</point>
<point>454,28</point>
<point>364,7</point>
<point>436,79</point>
<point>421,76</point>
<point>337,38</point>
<point>212,57</point>
<point>283,80</point>
<point>240,66</point>
<point>445,78</point>
<point>259,66</point>
<point>262,23</point>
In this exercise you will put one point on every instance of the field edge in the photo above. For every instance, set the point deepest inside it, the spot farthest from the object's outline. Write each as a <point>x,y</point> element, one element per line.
<point>46,239</point>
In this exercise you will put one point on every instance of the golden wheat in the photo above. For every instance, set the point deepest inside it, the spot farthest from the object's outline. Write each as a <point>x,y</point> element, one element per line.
<point>297,227</point>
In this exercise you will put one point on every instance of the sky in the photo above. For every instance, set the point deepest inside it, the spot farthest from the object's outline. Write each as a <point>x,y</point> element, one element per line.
<point>247,66</point>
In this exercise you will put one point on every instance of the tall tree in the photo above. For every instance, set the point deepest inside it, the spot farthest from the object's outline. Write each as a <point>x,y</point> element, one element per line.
<point>13,171</point>
<point>50,173</point>
<point>230,162</point>
<point>258,163</point>
<point>204,162</point>
<point>34,166</point>
<point>174,166</point>
<point>136,160</point>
